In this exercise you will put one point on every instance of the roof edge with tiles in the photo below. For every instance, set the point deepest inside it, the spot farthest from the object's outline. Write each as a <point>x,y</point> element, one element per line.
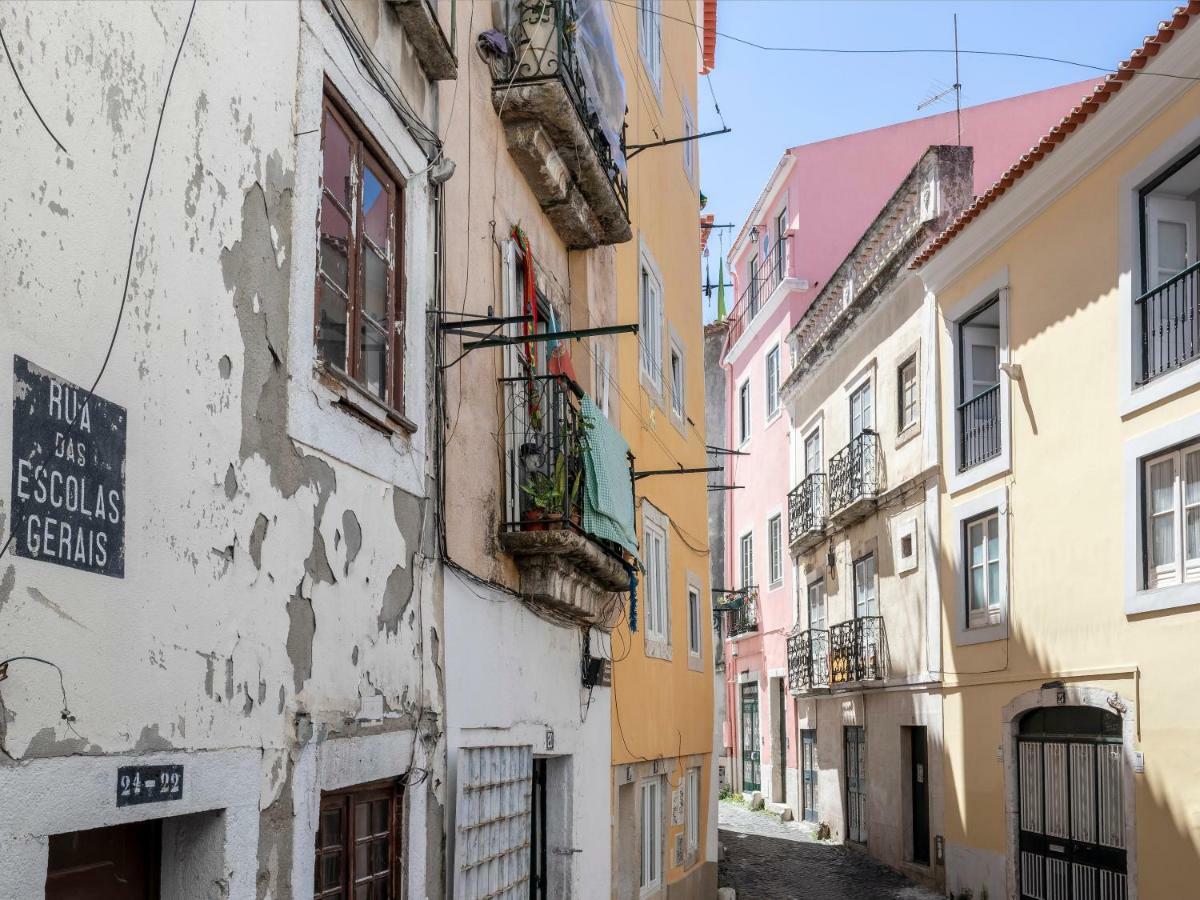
<point>1103,92</point>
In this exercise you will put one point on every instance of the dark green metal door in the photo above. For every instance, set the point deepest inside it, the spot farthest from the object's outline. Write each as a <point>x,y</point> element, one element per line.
<point>751,739</point>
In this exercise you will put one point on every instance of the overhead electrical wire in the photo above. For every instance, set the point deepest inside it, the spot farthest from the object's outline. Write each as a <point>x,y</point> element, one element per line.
<point>1013,54</point>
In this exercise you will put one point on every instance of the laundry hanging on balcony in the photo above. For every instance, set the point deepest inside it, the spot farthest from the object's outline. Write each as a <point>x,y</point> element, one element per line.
<point>608,492</point>
<point>558,354</point>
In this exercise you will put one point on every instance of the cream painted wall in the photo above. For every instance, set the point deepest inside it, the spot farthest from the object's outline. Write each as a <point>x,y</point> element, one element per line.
<point>1068,525</point>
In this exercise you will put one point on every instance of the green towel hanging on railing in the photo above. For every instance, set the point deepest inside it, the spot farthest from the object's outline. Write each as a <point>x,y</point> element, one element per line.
<point>608,492</point>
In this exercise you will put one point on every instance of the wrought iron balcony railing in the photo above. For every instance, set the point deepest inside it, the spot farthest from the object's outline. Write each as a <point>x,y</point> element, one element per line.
<point>806,507</point>
<point>979,428</point>
<point>744,618</point>
<point>544,466</point>
<point>1170,323</point>
<point>858,651</point>
<point>762,282</point>
<point>854,472</point>
<point>547,45</point>
<point>808,661</point>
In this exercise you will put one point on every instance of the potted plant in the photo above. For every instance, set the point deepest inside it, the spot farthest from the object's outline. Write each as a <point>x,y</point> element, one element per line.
<point>545,493</point>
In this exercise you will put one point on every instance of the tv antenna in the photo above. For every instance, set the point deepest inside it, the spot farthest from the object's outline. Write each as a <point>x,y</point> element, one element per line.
<point>955,88</point>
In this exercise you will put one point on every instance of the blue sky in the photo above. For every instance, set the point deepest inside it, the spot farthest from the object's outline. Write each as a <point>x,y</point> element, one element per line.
<point>775,100</point>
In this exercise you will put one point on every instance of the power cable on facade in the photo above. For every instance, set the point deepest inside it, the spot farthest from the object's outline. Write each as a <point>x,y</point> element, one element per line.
<point>13,65</point>
<point>137,221</point>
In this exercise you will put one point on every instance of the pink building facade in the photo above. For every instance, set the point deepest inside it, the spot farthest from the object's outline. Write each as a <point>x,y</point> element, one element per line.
<point>812,212</point>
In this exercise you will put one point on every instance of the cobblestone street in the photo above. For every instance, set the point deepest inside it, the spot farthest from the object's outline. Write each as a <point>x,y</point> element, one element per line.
<point>766,859</point>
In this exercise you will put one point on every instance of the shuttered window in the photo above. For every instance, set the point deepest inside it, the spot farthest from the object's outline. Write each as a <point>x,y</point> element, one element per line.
<point>493,823</point>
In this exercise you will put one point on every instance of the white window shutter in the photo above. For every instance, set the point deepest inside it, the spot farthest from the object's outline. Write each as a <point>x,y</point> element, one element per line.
<point>493,823</point>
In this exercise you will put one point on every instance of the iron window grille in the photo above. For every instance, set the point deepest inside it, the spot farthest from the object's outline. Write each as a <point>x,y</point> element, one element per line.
<point>979,429</point>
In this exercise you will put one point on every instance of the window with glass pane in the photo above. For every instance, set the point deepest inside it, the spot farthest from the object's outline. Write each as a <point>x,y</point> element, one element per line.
<point>816,605</point>
<point>650,330</point>
<point>744,412</point>
<point>689,147</point>
<point>693,621</point>
<point>656,580</point>
<point>775,548</point>
<point>358,852</point>
<point>772,381</point>
<point>1171,505</point>
<point>907,382</point>
<point>650,38</point>
<point>747,560</point>
<point>676,382</point>
<point>359,308</point>
<point>651,827</point>
<point>984,598</point>
<point>812,453</point>
<point>781,244</point>
<point>866,603</point>
<point>862,415</point>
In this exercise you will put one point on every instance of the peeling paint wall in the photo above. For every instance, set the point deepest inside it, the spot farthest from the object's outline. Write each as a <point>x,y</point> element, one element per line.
<point>279,562</point>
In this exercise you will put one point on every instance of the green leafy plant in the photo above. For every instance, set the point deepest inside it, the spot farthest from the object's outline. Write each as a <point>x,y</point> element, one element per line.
<point>546,492</point>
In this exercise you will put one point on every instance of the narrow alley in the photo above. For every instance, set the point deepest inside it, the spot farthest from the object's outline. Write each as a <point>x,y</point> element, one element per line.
<point>766,859</point>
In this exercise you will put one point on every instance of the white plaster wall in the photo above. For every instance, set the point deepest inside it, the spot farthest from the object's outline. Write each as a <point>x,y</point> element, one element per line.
<point>274,556</point>
<point>511,675</point>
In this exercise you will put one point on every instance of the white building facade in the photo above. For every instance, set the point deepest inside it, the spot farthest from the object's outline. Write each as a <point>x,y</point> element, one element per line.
<point>225,677</point>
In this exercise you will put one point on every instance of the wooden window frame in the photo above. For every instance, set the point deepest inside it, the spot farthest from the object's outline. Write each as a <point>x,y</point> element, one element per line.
<point>362,142</point>
<point>872,583</point>
<point>817,586</point>
<point>657,581</point>
<point>746,559</point>
<point>391,790</point>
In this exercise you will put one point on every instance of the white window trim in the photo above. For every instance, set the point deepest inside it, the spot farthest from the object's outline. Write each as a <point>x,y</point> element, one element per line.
<point>957,481</point>
<point>816,576</point>
<point>869,551</point>
<point>675,344</point>
<point>1138,598</point>
<point>748,533</point>
<point>689,147</point>
<point>815,423</point>
<point>651,887</point>
<point>990,614</point>
<point>960,514</point>
<point>696,657</point>
<point>653,67</point>
<point>744,384</point>
<point>658,643</point>
<point>1131,399</point>
<point>770,415</point>
<point>864,375</point>
<point>913,354</point>
<point>905,527</point>
<point>652,381</point>
<point>776,513</point>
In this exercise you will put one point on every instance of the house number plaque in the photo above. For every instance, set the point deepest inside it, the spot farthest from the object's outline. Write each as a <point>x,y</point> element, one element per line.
<point>148,784</point>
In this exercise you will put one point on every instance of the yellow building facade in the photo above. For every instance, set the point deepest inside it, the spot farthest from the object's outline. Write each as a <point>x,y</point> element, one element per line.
<point>664,788</point>
<point>1070,579</point>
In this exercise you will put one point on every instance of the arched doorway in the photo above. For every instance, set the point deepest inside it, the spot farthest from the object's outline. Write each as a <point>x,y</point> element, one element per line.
<point>1071,804</point>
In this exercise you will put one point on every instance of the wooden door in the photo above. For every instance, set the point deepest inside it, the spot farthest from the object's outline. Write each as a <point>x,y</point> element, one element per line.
<point>120,862</point>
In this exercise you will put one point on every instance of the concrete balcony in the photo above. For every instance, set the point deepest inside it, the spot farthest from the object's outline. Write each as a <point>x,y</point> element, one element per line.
<point>562,568</point>
<point>419,20</point>
<point>547,93</point>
